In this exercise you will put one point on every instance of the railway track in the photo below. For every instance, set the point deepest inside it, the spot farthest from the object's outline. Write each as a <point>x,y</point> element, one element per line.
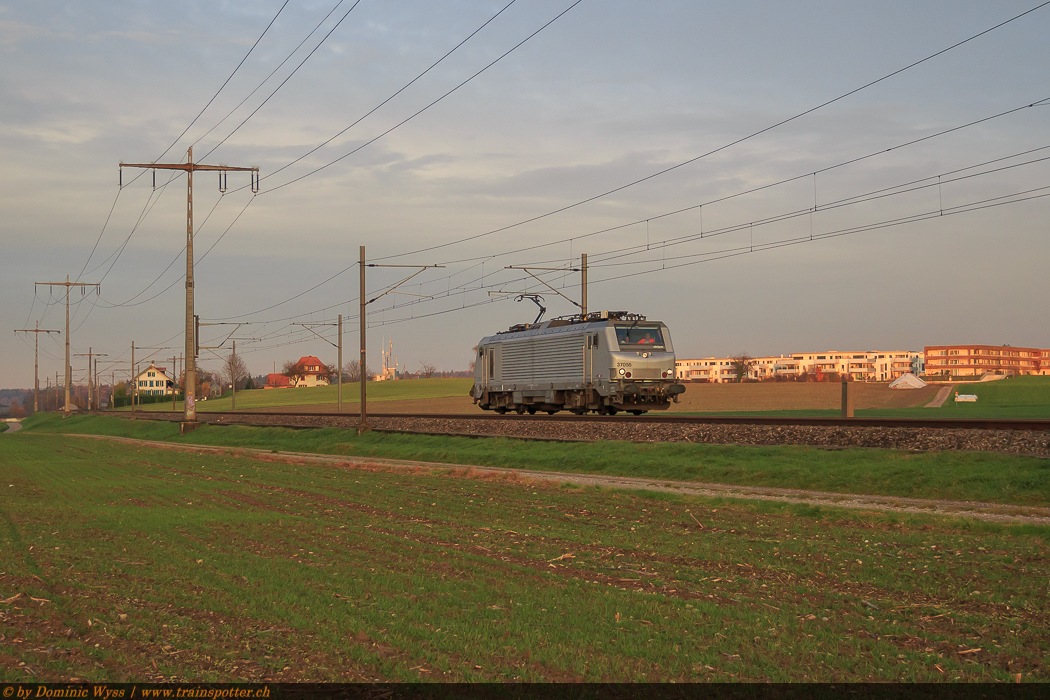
<point>272,418</point>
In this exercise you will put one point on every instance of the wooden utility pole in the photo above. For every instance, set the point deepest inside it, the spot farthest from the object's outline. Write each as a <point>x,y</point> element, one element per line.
<point>583,284</point>
<point>233,378</point>
<point>363,427</point>
<point>174,380</point>
<point>190,418</point>
<point>134,380</point>
<point>36,360</point>
<point>339,355</point>
<point>67,284</point>
<point>339,375</point>
<point>90,355</point>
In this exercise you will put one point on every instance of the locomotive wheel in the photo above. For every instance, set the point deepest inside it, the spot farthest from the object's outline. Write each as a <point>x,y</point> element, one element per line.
<point>551,413</point>
<point>579,411</point>
<point>637,413</point>
<point>501,410</point>
<point>521,410</point>
<point>602,410</point>
<point>612,411</point>
<point>532,410</point>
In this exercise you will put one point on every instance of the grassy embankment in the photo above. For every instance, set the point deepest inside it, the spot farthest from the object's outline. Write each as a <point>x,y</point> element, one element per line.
<point>949,475</point>
<point>314,396</point>
<point>130,563</point>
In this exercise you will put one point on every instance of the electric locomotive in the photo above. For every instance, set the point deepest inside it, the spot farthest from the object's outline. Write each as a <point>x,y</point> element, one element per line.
<point>605,362</point>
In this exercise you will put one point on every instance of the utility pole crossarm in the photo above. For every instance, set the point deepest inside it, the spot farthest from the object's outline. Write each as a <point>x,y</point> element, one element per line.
<point>36,360</point>
<point>189,167</point>
<point>67,284</point>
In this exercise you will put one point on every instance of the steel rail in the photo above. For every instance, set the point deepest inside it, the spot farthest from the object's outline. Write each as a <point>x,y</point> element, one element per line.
<point>1041,425</point>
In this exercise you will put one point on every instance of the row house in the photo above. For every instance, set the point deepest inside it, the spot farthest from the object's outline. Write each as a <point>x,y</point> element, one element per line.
<point>877,366</point>
<point>978,360</point>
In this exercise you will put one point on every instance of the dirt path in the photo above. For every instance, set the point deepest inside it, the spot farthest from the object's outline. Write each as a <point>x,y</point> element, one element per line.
<point>941,397</point>
<point>978,510</point>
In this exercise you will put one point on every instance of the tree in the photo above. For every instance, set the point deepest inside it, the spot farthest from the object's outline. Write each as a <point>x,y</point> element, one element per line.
<point>742,366</point>
<point>333,373</point>
<point>294,372</point>
<point>474,361</point>
<point>249,383</point>
<point>233,370</point>
<point>426,369</point>
<point>352,372</point>
<point>16,409</point>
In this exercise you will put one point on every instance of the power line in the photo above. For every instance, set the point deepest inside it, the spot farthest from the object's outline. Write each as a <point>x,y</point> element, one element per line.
<point>716,150</point>
<point>225,83</point>
<point>399,91</point>
<point>417,113</point>
<point>267,78</point>
<point>289,77</point>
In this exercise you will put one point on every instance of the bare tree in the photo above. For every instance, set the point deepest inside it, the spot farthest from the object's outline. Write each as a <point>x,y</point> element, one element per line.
<point>742,366</point>
<point>294,371</point>
<point>234,370</point>
<point>426,369</point>
<point>352,372</point>
<point>474,361</point>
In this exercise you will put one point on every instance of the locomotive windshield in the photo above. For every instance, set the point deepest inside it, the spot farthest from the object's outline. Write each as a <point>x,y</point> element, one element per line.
<point>639,337</point>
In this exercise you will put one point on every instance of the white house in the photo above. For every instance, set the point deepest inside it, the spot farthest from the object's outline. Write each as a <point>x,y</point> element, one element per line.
<point>154,381</point>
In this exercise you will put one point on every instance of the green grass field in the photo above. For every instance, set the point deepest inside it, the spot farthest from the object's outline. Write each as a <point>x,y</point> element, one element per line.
<point>131,563</point>
<point>311,396</point>
<point>948,475</point>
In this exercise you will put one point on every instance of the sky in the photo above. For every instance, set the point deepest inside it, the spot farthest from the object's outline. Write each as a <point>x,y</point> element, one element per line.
<point>737,170</point>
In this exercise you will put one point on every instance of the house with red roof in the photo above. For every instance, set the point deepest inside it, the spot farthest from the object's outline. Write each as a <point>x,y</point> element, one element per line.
<point>311,372</point>
<point>277,381</point>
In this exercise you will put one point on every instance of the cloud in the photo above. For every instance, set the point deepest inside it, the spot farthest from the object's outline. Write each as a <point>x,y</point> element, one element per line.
<point>14,32</point>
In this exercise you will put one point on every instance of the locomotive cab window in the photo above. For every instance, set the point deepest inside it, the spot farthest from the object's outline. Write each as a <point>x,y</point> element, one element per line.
<point>639,337</point>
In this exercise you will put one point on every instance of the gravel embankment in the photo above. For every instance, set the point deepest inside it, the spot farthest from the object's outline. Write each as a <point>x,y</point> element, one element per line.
<point>1025,442</point>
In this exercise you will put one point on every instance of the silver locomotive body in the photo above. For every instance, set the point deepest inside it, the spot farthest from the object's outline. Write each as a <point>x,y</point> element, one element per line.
<point>606,362</point>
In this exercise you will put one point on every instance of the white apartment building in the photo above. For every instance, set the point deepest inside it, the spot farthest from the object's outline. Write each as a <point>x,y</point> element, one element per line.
<point>878,366</point>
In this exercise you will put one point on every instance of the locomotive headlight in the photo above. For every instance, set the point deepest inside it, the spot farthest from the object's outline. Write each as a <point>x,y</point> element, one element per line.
<point>622,370</point>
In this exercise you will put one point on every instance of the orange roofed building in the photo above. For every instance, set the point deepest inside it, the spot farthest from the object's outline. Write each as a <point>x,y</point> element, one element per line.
<point>312,372</point>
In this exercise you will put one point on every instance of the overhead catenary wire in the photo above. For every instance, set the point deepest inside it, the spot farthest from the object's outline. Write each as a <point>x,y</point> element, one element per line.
<point>719,149</point>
